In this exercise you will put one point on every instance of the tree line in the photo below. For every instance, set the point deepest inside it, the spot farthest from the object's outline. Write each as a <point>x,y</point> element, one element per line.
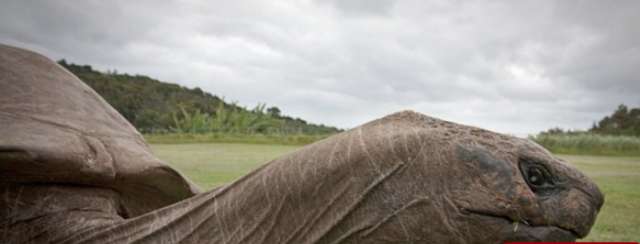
<point>624,121</point>
<point>156,107</point>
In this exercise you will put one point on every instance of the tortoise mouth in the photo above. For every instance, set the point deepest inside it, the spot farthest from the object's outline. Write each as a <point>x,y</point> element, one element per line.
<point>521,230</point>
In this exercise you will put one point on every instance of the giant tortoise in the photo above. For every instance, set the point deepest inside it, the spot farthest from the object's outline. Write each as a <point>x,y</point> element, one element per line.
<point>72,170</point>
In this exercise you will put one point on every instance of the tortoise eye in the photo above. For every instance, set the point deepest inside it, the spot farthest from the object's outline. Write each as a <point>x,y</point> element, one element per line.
<point>537,176</point>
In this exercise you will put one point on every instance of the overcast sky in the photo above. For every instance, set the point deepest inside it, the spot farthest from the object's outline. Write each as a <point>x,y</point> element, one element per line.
<point>516,67</point>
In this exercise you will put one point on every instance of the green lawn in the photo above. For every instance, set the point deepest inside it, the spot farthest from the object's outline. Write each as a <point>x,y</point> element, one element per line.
<point>210,165</point>
<point>213,164</point>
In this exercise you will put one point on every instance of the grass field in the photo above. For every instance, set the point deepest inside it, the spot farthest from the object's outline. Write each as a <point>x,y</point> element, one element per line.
<point>210,165</point>
<point>269,139</point>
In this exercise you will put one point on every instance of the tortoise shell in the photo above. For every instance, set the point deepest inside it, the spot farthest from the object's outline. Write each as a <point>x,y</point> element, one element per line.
<point>56,129</point>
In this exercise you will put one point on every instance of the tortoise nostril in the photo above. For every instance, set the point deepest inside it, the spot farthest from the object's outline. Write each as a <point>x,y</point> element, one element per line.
<point>599,199</point>
<point>589,201</point>
<point>594,195</point>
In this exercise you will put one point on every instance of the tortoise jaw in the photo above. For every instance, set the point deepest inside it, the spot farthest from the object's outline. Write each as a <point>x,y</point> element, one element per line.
<point>522,230</point>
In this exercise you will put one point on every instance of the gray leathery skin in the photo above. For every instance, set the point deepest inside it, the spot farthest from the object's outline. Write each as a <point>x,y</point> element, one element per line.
<point>72,170</point>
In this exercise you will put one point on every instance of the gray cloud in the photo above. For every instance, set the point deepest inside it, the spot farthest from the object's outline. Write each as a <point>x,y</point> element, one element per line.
<point>515,67</point>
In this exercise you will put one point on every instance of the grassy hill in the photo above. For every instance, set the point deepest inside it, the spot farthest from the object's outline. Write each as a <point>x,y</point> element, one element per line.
<point>156,107</point>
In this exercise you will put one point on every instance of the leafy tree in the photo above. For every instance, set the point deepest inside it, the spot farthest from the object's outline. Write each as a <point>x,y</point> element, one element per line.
<point>623,121</point>
<point>157,107</point>
<point>274,111</point>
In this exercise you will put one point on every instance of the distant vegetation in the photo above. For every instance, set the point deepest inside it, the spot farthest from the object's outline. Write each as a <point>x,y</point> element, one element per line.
<point>170,110</point>
<point>617,134</point>
<point>590,144</point>
<point>623,121</point>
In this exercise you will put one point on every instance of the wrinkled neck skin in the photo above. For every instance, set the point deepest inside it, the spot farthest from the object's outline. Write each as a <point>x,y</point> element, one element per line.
<point>404,178</point>
<point>395,182</point>
<point>389,183</point>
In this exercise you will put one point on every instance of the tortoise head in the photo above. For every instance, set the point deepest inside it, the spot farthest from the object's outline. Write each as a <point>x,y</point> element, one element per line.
<point>461,184</point>
<point>523,193</point>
